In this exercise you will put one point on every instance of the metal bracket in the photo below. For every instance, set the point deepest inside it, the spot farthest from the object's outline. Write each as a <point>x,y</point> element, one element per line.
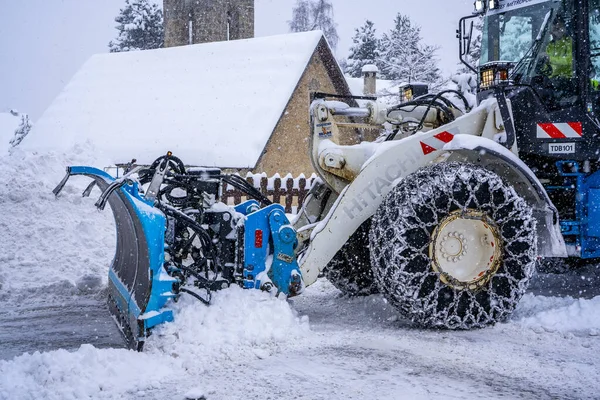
<point>265,228</point>
<point>509,126</point>
<point>285,272</point>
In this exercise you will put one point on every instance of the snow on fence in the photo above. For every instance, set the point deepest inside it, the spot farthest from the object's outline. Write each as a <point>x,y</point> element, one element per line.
<point>288,191</point>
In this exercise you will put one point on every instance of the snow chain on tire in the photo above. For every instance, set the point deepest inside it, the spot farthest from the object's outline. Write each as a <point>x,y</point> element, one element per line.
<point>400,239</point>
<point>350,269</point>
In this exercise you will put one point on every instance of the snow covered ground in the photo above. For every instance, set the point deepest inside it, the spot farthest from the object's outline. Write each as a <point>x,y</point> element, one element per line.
<point>54,255</point>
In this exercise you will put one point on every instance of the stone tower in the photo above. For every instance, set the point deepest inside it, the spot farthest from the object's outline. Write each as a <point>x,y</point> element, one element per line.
<point>201,21</point>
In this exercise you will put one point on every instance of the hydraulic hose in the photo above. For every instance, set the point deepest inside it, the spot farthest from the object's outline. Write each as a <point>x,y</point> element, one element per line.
<point>241,184</point>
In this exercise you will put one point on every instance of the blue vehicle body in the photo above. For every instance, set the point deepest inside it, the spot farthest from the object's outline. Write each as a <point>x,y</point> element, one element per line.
<point>582,231</point>
<point>265,226</point>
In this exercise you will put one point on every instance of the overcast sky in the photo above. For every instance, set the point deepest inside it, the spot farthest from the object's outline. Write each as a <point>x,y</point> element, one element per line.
<point>44,42</point>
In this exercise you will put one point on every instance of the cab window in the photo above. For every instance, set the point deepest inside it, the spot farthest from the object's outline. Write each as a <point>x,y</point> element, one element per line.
<point>595,44</point>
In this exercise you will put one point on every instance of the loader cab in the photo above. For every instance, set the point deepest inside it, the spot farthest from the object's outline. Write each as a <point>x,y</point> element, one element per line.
<point>545,55</point>
<point>537,42</point>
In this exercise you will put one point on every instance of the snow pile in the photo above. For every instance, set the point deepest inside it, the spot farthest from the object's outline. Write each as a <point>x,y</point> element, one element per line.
<point>84,374</point>
<point>240,326</point>
<point>559,314</point>
<point>46,240</point>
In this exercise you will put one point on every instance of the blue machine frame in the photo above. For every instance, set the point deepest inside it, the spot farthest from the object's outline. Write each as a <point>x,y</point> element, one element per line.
<point>584,229</point>
<point>267,227</point>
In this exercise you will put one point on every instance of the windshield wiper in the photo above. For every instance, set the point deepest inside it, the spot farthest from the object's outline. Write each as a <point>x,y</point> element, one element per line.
<point>534,49</point>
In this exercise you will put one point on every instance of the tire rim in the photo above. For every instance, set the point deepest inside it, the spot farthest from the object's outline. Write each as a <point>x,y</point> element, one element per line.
<point>466,249</point>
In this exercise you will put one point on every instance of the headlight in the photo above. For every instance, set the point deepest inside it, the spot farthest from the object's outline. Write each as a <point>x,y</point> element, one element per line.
<point>412,91</point>
<point>479,6</point>
<point>487,78</point>
<point>493,74</point>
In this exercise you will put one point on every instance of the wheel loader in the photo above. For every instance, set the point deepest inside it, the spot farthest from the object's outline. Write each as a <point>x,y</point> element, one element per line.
<point>447,212</point>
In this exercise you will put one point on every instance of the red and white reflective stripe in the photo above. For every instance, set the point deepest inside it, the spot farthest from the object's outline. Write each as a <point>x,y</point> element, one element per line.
<point>563,130</point>
<point>436,142</point>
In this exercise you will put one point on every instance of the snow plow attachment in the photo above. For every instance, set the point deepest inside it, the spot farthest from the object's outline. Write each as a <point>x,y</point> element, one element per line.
<point>138,286</point>
<point>175,237</point>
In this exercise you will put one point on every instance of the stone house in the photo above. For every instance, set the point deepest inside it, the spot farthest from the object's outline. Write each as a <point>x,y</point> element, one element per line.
<point>238,105</point>
<point>202,21</point>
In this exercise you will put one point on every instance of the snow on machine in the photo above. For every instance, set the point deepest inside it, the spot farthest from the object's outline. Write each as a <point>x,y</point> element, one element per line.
<point>447,214</point>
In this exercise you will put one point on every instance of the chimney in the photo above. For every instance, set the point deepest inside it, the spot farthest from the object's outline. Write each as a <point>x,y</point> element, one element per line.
<point>370,75</point>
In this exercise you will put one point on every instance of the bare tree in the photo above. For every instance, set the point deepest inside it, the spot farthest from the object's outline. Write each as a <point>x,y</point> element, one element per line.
<point>311,15</point>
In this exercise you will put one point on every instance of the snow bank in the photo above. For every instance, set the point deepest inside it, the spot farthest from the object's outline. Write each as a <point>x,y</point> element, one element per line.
<point>559,314</point>
<point>47,240</point>
<point>85,374</point>
<point>240,326</point>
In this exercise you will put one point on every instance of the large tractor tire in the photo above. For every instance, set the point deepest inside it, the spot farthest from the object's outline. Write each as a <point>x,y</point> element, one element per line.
<point>453,246</point>
<point>350,269</point>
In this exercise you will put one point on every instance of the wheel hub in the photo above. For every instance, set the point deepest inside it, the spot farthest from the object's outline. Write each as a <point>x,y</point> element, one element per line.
<point>454,247</point>
<point>465,249</point>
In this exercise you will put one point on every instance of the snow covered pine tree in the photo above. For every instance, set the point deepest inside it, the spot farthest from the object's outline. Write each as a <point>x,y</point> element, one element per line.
<point>312,15</point>
<point>140,27</point>
<point>404,58</point>
<point>364,51</point>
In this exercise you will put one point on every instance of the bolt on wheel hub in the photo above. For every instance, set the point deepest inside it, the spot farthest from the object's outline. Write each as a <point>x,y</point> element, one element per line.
<point>454,247</point>
<point>466,249</point>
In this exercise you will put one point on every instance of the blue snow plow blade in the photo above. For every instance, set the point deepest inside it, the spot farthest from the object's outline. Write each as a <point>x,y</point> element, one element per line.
<point>175,237</point>
<point>138,285</point>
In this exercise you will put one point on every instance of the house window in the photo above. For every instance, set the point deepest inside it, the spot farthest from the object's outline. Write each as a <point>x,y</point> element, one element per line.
<point>190,29</point>
<point>229,25</point>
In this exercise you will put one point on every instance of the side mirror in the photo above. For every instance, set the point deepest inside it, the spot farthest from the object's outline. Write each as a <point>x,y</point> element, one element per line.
<point>465,36</point>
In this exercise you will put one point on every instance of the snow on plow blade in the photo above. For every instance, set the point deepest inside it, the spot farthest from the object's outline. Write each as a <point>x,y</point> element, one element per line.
<point>138,285</point>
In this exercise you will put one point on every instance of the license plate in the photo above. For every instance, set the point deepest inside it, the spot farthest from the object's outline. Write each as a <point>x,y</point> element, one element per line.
<point>562,148</point>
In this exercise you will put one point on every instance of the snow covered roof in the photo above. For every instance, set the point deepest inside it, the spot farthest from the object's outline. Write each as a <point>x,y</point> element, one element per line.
<point>213,104</point>
<point>9,123</point>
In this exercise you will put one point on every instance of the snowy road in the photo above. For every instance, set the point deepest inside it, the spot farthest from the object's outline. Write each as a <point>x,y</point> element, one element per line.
<point>355,349</point>
<point>55,322</point>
